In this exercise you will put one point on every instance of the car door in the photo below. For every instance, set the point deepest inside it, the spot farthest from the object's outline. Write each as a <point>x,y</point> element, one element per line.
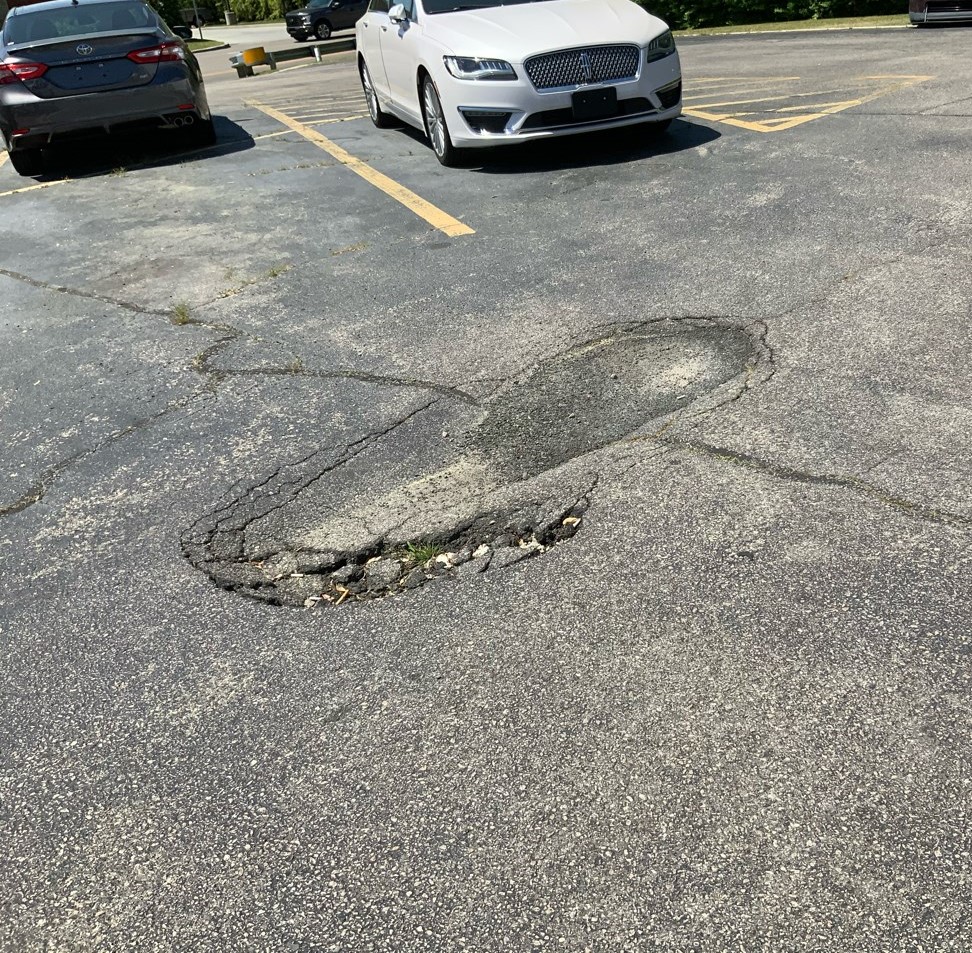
<point>351,12</point>
<point>400,45</point>
<point>369,28</point>
<point>339,14</point>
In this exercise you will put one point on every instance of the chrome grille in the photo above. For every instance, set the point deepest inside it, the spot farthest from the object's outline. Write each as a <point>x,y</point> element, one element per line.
<point>589,64</point>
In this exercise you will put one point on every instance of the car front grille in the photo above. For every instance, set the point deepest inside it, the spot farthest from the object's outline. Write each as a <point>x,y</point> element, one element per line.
<point>589,64</point>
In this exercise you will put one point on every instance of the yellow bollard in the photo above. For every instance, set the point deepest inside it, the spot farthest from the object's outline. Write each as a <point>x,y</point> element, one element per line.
<point>256,56</point>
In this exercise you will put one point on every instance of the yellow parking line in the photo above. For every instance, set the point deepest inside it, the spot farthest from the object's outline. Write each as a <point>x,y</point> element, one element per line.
<point>709,80</point>
<point>3,157</point>
<point>31,188</point>
<point>328,122</point>
<point>414,203</point>
<point>703,110</point>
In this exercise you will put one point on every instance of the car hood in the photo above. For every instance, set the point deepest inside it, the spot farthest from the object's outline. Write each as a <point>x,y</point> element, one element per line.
<point>517,31</point>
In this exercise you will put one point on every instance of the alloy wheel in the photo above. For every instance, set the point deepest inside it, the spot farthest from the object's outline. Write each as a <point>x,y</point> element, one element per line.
<point>435,121</point>
<point>369,92</point>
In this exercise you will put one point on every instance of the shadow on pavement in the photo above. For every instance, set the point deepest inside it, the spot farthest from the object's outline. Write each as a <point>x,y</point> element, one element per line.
<point>613,147</point>
<point>102,155</point>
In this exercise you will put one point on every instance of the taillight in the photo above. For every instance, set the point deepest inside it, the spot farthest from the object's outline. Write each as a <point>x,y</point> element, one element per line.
<point>17,72</point>
<point>163,53</point>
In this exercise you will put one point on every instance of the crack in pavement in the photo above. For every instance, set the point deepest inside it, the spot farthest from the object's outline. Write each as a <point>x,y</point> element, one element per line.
<point>42,485</point>
<point>201,364</point>
<point>289,489</point>
<point>78,293</point>
<point>795,475</point>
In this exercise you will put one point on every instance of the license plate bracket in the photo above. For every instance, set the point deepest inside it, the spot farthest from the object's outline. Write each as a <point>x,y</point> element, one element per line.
<point>600,103</point>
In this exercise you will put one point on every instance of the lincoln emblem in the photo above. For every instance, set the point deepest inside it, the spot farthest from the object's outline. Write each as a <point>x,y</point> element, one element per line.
<point>586,67</point>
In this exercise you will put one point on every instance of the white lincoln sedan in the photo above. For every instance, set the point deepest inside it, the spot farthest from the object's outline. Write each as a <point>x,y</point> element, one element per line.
<point>473,73</point>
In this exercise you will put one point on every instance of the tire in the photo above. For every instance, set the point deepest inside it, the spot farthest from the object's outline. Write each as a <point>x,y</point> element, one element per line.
<point>322,30</point>
<point>381,119</point>
<point>28,162</point>
<point>436,127</point>
<point>299,37</point>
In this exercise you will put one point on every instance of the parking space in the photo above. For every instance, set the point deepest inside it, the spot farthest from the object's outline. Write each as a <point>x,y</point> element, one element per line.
<point>778,103</point>
<point>679,430</point>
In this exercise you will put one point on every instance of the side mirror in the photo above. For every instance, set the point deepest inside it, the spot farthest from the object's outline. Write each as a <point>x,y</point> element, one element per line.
<point>397,13</point>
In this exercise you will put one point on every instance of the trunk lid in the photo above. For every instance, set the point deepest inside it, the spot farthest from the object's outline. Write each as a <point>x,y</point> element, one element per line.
<point>84,64</point>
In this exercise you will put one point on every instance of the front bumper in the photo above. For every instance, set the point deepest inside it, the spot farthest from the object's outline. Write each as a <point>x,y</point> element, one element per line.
<point>490,113</point>
<point>298,28</point>
<point>47,121</point>
<point>941,11</point>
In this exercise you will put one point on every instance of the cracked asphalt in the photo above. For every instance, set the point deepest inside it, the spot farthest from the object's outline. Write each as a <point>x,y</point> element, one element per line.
<point>730,712</point>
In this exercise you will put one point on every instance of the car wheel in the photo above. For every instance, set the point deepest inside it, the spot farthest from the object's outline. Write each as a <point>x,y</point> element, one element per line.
<point>381,119</point>
<point>435,125</point>
<point>27,162</point>
<point>299,37</point>
<point>323,30</point>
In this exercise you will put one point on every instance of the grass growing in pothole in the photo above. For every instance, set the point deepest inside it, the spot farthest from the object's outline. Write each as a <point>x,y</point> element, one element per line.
<point>422,552</point>
<point>181,313</point>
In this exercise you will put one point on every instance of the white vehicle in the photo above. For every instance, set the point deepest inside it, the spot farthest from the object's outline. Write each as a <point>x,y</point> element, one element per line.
<point>473,73</point>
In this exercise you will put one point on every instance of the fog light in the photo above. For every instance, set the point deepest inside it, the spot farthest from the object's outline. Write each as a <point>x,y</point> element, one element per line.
<point>487,120</point>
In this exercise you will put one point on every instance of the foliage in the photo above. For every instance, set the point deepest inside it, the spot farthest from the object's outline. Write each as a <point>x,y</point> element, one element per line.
<point>701,13</point>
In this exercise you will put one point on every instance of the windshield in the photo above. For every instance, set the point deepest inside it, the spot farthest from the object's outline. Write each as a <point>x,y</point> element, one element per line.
<point>27,26</point>
<point>452,6</point>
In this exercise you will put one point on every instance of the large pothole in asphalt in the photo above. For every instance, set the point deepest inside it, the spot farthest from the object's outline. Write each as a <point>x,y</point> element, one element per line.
<point>451,487</point>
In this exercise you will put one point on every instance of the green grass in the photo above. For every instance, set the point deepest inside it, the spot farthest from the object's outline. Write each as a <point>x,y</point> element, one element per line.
<point>423,552</point>
<point>197,46</point>
<point>181,313</point>
<point>833,23</point>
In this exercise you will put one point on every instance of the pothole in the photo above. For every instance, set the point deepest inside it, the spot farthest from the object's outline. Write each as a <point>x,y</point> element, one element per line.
<point>452,489</point>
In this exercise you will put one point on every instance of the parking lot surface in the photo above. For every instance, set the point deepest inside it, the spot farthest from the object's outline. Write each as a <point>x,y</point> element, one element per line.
<point>682,430</point>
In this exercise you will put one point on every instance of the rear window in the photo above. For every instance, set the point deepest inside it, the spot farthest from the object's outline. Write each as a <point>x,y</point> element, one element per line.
<point>83,19</point>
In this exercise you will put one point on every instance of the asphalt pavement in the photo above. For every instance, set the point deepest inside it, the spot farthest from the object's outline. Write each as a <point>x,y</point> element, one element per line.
<point>569,551</point>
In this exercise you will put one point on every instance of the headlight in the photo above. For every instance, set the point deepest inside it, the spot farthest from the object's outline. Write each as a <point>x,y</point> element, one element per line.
<point>473,67</point>
<point>660,47</point>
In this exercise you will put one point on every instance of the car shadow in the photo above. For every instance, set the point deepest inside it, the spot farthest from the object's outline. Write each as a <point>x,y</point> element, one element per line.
<point>609,147</point>
<point>146,149</point>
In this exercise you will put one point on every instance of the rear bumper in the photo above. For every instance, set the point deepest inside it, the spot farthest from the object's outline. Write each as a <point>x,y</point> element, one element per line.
<point>48,120</point>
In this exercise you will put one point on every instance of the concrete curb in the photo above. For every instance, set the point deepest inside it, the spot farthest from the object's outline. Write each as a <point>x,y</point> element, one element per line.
<point>685,35</point>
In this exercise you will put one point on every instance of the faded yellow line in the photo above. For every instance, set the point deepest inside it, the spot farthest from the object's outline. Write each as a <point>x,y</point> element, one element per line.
<point>742,79</point>
<point>779,125</point>
<point>328,122</point>
<point>414,203</point>
<point>3,157</point>
<point>32,188</point>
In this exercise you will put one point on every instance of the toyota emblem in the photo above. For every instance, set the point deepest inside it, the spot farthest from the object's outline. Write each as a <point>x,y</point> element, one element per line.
<point>84,49</point>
